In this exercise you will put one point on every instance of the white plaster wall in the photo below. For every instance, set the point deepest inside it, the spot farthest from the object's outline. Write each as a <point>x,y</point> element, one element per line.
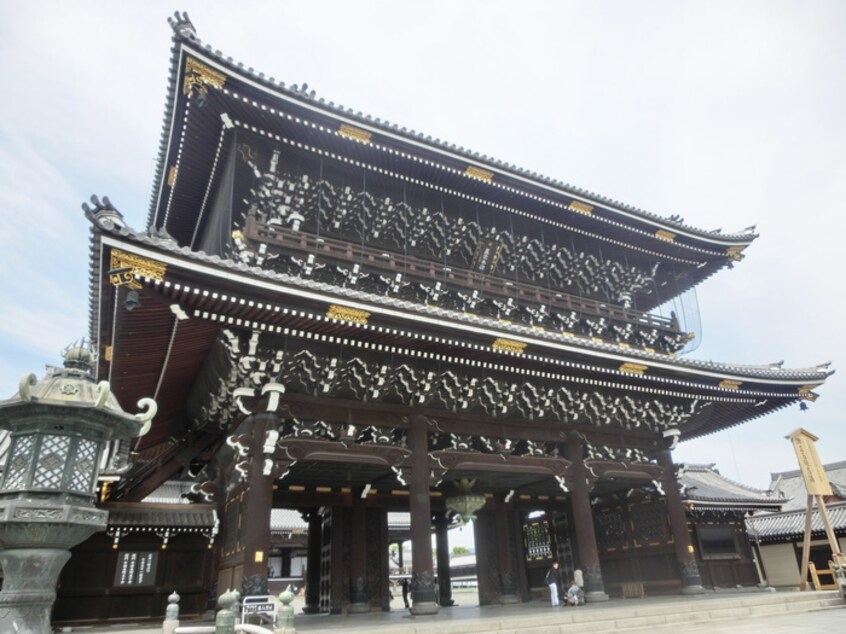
<point>780,567</point>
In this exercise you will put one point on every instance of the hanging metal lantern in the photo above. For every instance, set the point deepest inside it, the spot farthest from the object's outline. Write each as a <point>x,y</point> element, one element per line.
<point>466,503</point>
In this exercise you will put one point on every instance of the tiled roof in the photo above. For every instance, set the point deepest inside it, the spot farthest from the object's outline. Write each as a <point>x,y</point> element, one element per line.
<point>290,520</point>
<point>790,484</point>
<point>140,515</point>
<point>287,520</point>
<point>185,34</point>
<point>791,524</point>
<point>767,372</point>
<point>169,493</point>
<point>705,486</point>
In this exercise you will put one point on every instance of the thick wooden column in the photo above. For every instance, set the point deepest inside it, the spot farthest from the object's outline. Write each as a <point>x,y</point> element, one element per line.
<point>444,575</point>
<point>505,553</point>
<point>685,557</point>
<point>258,502</point>
<point>583,523</point>
<point>339,575</point>
<point>419,506</point>
<point>358,558</point>
<point>312,588</point>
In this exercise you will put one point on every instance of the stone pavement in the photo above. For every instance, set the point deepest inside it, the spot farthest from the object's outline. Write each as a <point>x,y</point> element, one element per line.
<point>690,617</point>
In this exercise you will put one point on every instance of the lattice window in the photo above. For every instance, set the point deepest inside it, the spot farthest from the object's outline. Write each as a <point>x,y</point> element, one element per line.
<point>649,523</point>
<point>565,546</point>
<point>537,540</point>
<point>51,462</point>
<point>611,531</point>
<point>83,466</point>
<point>19,466</point>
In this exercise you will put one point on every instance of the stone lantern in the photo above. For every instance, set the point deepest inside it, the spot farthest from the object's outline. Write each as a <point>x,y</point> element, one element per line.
<point>57,428</point>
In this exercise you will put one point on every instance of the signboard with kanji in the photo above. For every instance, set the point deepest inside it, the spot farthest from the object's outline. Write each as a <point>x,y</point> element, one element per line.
<point>813,473</point>
<point>136,568</point>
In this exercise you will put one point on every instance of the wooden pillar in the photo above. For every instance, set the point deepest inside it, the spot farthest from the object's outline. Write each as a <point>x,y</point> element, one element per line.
<point>258,502</point>
<point>312,588</point>
<point>444,575</point>
<point>382,560</point>
<point>400,562</point>
<point>339,572</point>
<point>583,523</point>
<point>419,506</point>
<point>685,557</point>
<point>505,553</point>
<point>285,568</point>
<point>359,602</point>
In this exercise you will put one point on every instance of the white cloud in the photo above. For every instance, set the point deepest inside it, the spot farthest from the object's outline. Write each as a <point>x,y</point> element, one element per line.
<point>727,113</point>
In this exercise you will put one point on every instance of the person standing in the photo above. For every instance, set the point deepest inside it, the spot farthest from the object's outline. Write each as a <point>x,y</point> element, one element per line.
<point>404,585</point>
<point>553,580</point>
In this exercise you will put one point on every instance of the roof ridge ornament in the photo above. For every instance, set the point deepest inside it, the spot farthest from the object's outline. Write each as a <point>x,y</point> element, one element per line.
<point>182,25</point>
<point>103,213</point>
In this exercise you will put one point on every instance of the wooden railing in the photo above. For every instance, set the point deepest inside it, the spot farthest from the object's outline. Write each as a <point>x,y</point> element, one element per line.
<point>417,269</point>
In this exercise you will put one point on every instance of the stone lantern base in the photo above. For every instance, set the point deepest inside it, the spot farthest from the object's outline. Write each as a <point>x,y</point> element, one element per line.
<point>36,541</point>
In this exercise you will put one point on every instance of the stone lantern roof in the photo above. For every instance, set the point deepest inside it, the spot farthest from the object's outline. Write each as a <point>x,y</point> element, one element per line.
<point>70,388</point>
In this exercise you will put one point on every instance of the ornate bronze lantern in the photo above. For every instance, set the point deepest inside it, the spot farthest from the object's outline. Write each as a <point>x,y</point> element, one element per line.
<point>466,503</point>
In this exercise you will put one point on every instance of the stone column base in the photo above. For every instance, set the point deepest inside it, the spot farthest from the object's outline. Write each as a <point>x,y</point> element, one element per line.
<point>420,608</point>
<point>508,599</point>
<point>595,597</point>
<point>358,608</point>
<point>692,589</point>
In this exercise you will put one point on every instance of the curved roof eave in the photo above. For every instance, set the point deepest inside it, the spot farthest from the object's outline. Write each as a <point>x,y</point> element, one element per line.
<point>218,266</point>
<point>184,37</point>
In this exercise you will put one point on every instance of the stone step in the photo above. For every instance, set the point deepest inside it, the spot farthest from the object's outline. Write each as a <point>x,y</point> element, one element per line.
<point>698,612</point>
<point>629,617</point>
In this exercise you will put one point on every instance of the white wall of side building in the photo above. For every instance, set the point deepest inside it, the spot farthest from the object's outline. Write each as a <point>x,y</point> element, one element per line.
<point>781,567</point>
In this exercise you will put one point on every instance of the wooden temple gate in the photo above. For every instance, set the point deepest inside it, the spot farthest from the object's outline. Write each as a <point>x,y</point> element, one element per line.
<point>345,318</point>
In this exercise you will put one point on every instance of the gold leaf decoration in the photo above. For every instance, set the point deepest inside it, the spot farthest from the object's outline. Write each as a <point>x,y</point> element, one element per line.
<point>123,267</point>
<point>478,172</point>
<point>633,368</point>
<point>345,313</point>
<point>198,77</point>
<point>357,134</point>
<point>508,345</point>
<point>582,208</point>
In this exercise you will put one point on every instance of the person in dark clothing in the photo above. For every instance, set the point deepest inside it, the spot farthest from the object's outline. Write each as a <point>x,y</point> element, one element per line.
<point>404,585</point>
<point>553,580</point>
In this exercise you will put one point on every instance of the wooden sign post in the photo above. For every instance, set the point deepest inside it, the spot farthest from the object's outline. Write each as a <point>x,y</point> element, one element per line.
<point>817,485</point>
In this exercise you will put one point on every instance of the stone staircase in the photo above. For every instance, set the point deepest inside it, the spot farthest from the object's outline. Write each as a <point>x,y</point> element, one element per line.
<point>661,614</point>
<point>657,614</point>
<point>640,615</point>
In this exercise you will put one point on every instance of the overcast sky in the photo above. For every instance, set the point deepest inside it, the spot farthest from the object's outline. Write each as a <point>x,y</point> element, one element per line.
<point>726,113</point>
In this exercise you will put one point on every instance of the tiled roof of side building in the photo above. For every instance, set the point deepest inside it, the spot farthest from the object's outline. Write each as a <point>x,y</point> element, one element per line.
<point>291,520</point>
<point>704,484</point>
<point>791,524</point>
<point>790,484</point>
<point>141,515</point>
